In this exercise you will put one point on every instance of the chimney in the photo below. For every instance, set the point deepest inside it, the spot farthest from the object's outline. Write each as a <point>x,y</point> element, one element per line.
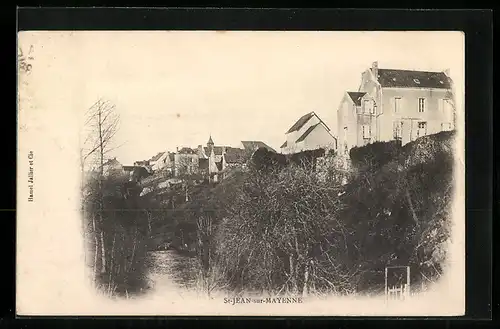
<point>223,150</point>
<point>375,69</point>
<point>177,148</point>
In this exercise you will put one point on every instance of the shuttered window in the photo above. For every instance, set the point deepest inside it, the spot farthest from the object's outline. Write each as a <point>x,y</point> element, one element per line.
<point>397,105</point>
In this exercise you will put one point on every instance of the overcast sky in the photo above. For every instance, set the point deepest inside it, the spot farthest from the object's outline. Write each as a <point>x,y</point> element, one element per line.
<point>176,88</point>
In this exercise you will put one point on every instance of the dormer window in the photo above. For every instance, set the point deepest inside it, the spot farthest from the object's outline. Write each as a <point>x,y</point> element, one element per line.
<point>416,81</point>
<point>441,82</point>
<point>393,79</point>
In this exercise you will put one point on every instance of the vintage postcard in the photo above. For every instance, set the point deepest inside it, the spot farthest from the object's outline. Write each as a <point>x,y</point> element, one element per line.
<point>241,173</point>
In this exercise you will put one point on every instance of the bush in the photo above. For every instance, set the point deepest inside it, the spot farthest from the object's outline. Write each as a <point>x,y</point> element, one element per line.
<point>375,155</point>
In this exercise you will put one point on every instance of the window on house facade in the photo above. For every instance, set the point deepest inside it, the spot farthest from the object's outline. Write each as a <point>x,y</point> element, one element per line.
<point>366,106</point>
<point>397,104</point>
<point>345,133</point>
<point>421,105</point>
<point>397,127</point>
<point>369,106</point>
<point>422,129</point>
<point>366,132</point>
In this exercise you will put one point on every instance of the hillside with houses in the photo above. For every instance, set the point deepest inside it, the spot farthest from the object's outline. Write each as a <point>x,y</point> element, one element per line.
<point>326,213</point>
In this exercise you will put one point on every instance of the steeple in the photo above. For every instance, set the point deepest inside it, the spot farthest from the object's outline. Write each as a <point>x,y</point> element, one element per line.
<point>210,142</point>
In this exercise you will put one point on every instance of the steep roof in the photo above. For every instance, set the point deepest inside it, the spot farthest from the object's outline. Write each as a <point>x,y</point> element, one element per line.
<point>254,145</point>
<point>356,97</point>
<point>217,150</point>
<point>111,162</point>
<point>156,157</point>
<point>302,121</point>
<point>413,79</point>
<point>283,145</point>
<point>234,155</point>
<point>308,131</point>
<point>186,150</point>
<point>210,141</point>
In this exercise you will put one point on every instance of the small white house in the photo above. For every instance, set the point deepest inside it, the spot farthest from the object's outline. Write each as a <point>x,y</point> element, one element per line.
<point>308,133</point>
<point>112,167</point>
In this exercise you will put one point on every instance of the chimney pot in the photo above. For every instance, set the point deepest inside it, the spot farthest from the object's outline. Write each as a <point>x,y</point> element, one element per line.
<point>375,69</point>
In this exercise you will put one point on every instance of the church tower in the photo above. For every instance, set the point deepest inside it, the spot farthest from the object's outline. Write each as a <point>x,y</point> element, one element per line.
<point>210,144</point>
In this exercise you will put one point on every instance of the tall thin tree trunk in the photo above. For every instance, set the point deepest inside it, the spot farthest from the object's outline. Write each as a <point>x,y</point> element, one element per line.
<point>96,257</point>
<point>96,251</point>
<point>134,237</point>
<point>103,254</point>
<point>292,271</point>
<point>111,262</point>
<point>410,204</point>
<point>305,289</point>
<point>101,201</point>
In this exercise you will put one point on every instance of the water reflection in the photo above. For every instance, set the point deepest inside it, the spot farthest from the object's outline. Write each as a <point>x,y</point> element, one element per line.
<point>170,268</point>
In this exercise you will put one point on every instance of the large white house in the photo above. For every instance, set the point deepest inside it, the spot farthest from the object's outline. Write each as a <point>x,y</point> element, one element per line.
<point>395,104</point>
<point>308,133</point>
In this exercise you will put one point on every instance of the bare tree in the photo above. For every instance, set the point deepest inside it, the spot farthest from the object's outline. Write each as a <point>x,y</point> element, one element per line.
<point>101,124</point>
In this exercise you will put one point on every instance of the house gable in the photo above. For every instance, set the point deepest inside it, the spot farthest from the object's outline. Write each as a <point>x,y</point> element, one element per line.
<point>300,122</point>
<point>356,97</point>
<point>316,137</point>
<point>298,140</point>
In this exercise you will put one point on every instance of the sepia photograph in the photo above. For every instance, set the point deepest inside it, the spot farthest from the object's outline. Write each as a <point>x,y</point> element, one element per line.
<point>241,173</point>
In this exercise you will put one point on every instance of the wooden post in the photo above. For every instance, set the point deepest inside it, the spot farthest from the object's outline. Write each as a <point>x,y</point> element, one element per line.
<point>408,279</point>
<point>386,291</point>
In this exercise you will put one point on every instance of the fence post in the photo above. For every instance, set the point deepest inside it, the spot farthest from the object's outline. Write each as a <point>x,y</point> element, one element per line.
<point>386,288</point>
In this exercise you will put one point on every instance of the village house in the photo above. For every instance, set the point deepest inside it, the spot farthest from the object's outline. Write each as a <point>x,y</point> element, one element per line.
<point>142,163</point>
<point>154,160</point>
<point>394,104</point>
<point>112,167</point>
<point>185,162</point>
<point>210,162</point>
<point>307,134</point>
<point>212,159</point>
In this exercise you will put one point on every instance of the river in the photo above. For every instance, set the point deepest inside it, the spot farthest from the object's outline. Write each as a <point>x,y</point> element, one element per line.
<point>169,268</point>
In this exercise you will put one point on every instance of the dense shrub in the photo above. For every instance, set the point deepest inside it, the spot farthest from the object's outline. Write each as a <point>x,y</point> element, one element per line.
<point>375,155</point>
<point>285,230</point>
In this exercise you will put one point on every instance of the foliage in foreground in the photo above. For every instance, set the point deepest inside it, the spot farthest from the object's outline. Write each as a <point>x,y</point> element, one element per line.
<point>292,228</point>
<point>286,230</point>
